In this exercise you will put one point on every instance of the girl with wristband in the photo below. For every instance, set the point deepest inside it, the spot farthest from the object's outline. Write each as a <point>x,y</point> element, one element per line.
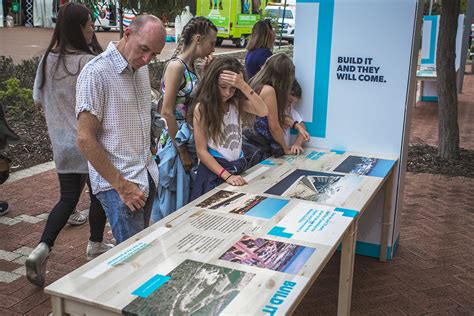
<point>224,103</point>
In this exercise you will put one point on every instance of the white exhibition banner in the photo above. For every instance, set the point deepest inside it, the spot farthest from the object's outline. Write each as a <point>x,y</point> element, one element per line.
<point>354,61</point>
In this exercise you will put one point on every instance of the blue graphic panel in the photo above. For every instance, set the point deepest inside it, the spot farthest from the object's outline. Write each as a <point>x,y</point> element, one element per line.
<point>382,168</point>
<point>267,208</point>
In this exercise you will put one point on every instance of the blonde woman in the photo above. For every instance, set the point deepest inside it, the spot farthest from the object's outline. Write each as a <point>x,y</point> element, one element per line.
<point>259,47</point>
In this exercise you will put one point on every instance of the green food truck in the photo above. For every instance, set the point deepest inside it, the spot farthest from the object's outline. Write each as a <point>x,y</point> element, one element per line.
<point>234,19</point>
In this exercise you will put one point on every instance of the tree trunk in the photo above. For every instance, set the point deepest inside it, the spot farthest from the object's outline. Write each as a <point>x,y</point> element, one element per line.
<point>448,130</point>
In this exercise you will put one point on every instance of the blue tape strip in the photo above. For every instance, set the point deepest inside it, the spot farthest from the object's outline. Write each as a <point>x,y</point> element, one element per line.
<point>429,99</point>
<point>268,163</point>
<point>151,285</point>
<point>346,212</point>
<point>373,250</point>
<point>314,155</point>
<point>338,152</point>
<point>280,232</point>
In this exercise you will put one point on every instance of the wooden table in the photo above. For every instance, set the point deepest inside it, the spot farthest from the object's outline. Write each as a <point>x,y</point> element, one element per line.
<point>255,249</point>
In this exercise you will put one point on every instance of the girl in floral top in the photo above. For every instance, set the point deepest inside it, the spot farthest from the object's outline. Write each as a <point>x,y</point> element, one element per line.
<point>177,156</point>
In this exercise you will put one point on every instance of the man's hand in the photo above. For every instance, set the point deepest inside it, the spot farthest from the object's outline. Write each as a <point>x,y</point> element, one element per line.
<point>131,195</point>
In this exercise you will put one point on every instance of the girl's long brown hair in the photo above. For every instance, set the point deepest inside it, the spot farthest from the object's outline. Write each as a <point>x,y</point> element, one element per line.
<point>279,73</point>
<point>209,98</point>
<point>68,35</point>
<point>262,35</point>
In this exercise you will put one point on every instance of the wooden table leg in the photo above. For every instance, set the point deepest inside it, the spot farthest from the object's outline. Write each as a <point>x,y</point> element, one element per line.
<point>422,87</point>
<point>386,218</point>
<point>57,303</point>
<point>346,274</point>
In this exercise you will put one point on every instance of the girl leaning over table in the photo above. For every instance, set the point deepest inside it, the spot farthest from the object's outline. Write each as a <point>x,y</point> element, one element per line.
<point>224,103</point>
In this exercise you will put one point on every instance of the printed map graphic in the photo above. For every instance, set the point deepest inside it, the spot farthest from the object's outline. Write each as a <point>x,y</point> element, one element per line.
<point>195,288</point>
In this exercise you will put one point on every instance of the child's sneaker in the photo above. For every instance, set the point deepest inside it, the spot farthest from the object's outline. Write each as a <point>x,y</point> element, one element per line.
<point>3,208</point>
<point>36,264</point>
<point>96,248</point>
<point>76,218</point>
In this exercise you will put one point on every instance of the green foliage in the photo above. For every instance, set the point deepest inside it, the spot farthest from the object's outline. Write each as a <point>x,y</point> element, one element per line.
<point>25,71</point>
<point>435,10</point>
<point>464,6</point>
<point>156,72</point>
<point>7,69</point>
<point>169,7</point>
<point>16,101</point>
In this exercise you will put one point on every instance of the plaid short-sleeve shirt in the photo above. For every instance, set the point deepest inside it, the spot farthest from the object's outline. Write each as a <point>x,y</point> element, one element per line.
<point>120,98</point>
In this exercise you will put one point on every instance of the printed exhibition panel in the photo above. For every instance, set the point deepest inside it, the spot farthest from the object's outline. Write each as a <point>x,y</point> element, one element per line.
<point>429,42</point>
<point>355,68</point>
<point>227,253</point>
<point>429,45</point>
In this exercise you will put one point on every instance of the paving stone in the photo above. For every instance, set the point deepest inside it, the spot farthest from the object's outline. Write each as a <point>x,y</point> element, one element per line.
<point>40,310</point>
<point>43,215</point>
<point>25,251</point>
<point>7,301</point>
<point>20,271</point>
<point>8,266</point>
<point>29,219</point>
<point>30,303</point>
<point>8,255</point>
<point>9,221</point>
<point>8,277</point>
<point>20,260</point>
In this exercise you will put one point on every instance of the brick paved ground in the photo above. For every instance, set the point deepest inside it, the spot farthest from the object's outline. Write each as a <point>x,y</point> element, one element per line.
<point>433,272</point>
<point>424,127</point>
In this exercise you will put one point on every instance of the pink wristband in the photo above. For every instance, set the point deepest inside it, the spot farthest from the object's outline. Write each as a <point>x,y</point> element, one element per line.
<point>220,173</point>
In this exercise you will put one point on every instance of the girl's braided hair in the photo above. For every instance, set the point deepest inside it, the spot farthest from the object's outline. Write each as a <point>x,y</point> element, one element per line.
<point>197,25</point>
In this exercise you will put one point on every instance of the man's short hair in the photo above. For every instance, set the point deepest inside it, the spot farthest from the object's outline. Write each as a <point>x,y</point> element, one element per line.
<point>140,21</point>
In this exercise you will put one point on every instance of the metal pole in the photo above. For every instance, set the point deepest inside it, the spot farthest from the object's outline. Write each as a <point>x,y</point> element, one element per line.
<point>464,44</point>
<point>282,23</point>
<point>121,18</point>
<point>431,7</point>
